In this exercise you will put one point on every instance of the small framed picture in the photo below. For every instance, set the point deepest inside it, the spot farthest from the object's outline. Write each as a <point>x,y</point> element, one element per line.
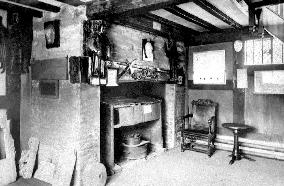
<point>52,33</point>
<point>147,50</point>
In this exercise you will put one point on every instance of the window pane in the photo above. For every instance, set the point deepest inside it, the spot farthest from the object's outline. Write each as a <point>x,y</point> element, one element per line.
<point>257,52</point>
<point>249,52</point>
<point>266,51</point>
<point>277,51</point>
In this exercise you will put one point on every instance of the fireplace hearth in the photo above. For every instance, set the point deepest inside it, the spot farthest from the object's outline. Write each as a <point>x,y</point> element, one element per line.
<point>130,129</point>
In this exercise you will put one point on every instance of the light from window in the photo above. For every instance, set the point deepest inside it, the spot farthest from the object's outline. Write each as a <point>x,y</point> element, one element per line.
<point>209,67</point>
<point>3,84</point>
<point>264,51</point>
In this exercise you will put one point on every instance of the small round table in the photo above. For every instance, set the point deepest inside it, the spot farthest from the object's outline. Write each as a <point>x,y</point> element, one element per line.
<point>236,128</point>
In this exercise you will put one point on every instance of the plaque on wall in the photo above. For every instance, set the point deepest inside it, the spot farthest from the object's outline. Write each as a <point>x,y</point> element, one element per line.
<point>49,88</point>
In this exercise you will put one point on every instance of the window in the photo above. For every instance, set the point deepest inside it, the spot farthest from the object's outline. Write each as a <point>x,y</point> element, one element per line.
<point>263,51</point>
<point>209,67</point>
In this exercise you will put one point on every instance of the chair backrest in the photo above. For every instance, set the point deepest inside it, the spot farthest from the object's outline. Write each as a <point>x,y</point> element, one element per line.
<point>203,110</point>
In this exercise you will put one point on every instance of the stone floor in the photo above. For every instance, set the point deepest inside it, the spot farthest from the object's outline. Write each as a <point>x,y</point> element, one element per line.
<point>191,168</point>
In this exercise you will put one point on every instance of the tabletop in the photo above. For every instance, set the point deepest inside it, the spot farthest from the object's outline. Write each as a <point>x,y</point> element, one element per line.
<point>236,126</point>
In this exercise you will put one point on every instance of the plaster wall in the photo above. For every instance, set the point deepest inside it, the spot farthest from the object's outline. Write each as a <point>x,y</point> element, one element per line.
<point>126,44</point>
<point>72,120</point>
<point>224,98</point>
<point>263,112</point>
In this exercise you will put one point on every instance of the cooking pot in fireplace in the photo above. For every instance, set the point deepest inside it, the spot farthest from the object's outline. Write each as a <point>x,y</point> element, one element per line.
<point>138,151</point>
<point>133,139</point>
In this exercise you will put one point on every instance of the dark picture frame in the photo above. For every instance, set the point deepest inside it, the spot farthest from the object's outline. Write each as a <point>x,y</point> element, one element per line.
<point>49,89</point>
<point>52,33</point>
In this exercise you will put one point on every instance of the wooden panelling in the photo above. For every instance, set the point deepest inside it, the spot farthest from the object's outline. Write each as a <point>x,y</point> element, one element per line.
<point>56,68</point>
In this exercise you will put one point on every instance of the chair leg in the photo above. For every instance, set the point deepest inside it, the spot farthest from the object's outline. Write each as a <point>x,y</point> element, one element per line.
<point>211,148</point>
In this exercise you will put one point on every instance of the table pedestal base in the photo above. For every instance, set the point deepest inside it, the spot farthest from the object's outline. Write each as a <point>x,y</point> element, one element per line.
<point>236,154</point>
<point>234,158</point>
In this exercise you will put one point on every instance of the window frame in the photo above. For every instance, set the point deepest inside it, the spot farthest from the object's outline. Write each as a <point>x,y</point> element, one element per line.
<point>254,64</point>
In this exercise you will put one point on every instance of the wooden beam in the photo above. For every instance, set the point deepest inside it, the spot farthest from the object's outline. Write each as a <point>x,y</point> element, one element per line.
<point>265,3</point>
<point>170,23</point>
<point>128,8</point>
<point>145,24</point>
<point>72,2</point>
<point>251,69</point>
<point>217,13</point>
<point>37,4</point>
<point>226,35</point>
<point>11,6</point>
<point>191,18</point>
<point>133,23</point>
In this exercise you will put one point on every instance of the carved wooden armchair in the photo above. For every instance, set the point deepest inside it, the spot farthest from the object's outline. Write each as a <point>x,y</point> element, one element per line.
<point>201,131</point>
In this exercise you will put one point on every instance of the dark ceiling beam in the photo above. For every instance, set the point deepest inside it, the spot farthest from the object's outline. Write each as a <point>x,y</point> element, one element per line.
<point>128,8</point>
<point>217,13</point>
<point>167,22</point>
<point>72,2</point>
<point>265,3</point>
<point>227,35</point>
<point>20,8</point>
<point>37,4</point>
<point>144,24</point>
<point>191,18</point>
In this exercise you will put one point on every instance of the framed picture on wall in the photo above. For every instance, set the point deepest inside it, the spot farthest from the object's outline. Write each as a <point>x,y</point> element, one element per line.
<point>147,50</point>
<point>52,33</point>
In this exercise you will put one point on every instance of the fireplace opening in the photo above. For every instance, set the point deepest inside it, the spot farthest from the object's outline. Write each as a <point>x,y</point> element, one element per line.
<point>131,128</point>
<point>2,145</point>
<point>131,144</point>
